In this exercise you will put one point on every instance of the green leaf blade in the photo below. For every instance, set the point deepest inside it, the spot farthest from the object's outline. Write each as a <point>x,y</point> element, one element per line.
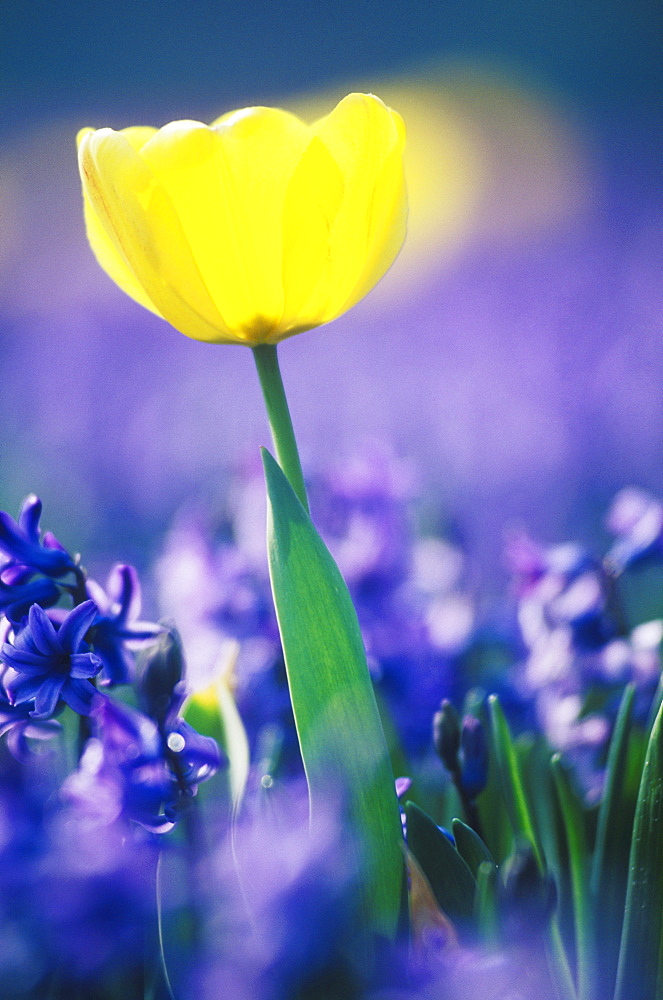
<point>640,970</point>
<point>613,839</point>
<point>513,790</point>
<point>574,825</point>
<point>470,846</point>
<point>340,734</point>
<point>450,878</point>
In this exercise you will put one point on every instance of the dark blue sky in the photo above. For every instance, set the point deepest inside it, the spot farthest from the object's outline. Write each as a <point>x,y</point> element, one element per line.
<point>185,57</point>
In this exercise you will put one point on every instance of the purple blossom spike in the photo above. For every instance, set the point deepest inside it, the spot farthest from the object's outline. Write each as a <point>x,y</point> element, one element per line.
<point>21,540</point>
<point>51,666</point>
<point>117,630</point>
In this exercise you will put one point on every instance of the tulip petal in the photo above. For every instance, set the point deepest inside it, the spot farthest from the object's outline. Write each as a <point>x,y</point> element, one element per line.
<point>141,222</point>
<point>366,139</point>
<point>228,185</point>
<point>111,259</point>
<point>387,227</point>
<point>312,201</point>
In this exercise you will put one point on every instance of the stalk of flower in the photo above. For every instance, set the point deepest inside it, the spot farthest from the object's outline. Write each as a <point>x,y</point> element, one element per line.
<point>250,231</point>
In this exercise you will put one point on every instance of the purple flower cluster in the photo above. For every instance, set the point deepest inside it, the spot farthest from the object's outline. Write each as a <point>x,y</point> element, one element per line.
<point>585,636</point>
<point>85,903</point>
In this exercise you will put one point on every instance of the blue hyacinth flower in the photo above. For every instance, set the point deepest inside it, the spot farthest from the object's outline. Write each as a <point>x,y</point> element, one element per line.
<point>22,541</point>
<point>53,665</point>
<point>117,630</point>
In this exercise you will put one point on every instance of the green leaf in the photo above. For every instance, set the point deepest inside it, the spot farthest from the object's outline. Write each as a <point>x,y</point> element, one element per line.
<point>485,903</point>
<point>450,878</point>
<point>513,789</point>
<point>640,971</point>
<point>340,734</point>
<point>522,825</point>
<point>470,846</point>
<point>576,839</point>
<point>613,839</point>
<point>534,764</point>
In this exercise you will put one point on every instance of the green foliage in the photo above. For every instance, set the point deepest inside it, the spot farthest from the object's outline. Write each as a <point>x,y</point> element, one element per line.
<point>576,840</point>
<point>640,972</point>
<point>450,878</point>
<point>613,839</point>
<point>470,846</point>
<point>607,863</point>
<point>511,780</point>
<point>338,724</point>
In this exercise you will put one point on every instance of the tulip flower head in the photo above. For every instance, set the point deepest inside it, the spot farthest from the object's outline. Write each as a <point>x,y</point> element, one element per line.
<point>254,228</point>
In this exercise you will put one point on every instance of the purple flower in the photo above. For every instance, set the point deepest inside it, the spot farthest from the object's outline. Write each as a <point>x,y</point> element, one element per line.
<point>117,630</point>
<point>137,769</point>
<point>22,541</point>
<point>17,722</point>
<point>122,772</point>
<point>191,757</point>
<point>636,518</point>
<point>17,597</point>
<point>51,665</point>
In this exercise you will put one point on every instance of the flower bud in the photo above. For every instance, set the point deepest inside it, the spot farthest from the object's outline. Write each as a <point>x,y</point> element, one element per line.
<point>446,735</point>
<point>473,757</point>
<point>528,896</point>
<point>160,671</point>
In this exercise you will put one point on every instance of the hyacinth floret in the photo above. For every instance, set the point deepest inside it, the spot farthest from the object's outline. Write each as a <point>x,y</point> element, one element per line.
<point>152,769</point>
<point>33,563</point>
<point>117,629</point>
<point>17,723</point>
<point>27,549</point>
<point>52,665</point>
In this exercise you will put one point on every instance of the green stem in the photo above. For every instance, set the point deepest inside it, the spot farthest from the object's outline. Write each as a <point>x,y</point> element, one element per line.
<point>280,422</point>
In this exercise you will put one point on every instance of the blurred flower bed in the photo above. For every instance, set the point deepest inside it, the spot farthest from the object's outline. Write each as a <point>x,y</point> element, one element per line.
<point>103,858</point>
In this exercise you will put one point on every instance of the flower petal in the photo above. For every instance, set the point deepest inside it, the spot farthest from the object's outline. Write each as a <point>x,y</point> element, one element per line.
<point>76,625</point>
<point>124,588</point>
<point>79,695</point>
<point>22,689</point>
<point>366,139</point>
<point>47,697</point>
<point>105,249</point>
<point>84,665</point>
<point>312,201</point>
<point>42,632</point>
<point>28,519</point>
<point>140,221</point>
<point>23,660</point>
<point>228,185</point>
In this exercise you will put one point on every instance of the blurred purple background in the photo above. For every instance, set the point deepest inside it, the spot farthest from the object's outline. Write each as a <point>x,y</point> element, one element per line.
<point>514,353</point>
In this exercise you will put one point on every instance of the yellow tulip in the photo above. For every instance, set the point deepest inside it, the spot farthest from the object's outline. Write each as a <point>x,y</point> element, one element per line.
<point>251,229</point>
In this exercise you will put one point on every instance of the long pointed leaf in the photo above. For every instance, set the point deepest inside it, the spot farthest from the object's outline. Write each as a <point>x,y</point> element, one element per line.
<point>513,790</point>
<point>574,824</point>
<point>640,971</point>
<point>449,877</point>
<point>613,838</point>
<point>522,823</point>
<point>340,734</point>
<point>470,846</point>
